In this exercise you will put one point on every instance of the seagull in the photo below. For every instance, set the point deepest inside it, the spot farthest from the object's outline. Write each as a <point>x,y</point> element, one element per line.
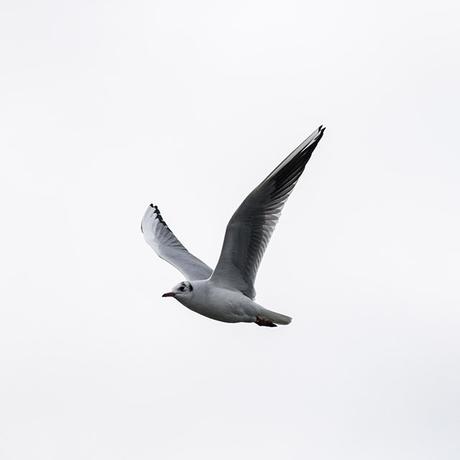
<point>227,294</point>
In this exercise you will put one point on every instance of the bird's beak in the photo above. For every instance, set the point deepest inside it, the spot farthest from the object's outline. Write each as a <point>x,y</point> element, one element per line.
<point>169,294</point>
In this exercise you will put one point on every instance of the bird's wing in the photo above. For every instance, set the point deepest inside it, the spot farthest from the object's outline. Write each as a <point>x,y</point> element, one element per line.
<point>250,228</point>
<point>163,241</point>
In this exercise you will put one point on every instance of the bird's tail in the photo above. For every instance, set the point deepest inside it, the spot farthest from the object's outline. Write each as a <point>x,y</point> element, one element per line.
<point>274,317</point>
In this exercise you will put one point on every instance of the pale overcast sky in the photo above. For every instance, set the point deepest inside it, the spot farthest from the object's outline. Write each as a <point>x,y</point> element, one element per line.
<point>108,106</point>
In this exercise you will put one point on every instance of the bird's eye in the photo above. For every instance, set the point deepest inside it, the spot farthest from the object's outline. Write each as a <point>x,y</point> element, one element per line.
<point>182,289</point>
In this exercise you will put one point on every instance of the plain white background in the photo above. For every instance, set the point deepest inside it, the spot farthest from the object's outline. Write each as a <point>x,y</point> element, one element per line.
<point>108,106</point>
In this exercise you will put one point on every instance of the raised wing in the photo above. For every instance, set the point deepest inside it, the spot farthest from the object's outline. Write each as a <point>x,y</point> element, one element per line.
<point>168,247</point>
<point>252,225</point>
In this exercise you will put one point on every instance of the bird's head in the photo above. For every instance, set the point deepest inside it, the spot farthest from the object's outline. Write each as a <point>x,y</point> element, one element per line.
<point>180,291</point>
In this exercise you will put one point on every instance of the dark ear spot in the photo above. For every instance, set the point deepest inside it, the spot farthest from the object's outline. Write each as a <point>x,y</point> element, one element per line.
<point>190,287</point>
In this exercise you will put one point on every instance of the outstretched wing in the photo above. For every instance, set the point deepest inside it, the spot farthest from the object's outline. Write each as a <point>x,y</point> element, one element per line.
<point>168,247</point>
<point>252,225</point>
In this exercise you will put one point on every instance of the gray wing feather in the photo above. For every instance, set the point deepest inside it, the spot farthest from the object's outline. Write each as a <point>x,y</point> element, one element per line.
<point>250,228</point>
<point>163,241</point>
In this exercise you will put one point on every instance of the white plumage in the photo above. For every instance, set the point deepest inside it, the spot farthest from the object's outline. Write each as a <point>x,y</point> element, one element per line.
<point>227,293</point>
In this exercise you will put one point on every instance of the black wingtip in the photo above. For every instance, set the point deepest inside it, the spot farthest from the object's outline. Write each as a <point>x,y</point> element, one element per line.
<point>158,214</point>
<point>321,130</point>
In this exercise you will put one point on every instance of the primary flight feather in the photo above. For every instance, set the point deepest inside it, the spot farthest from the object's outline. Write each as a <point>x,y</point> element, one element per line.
<point>227,293</point>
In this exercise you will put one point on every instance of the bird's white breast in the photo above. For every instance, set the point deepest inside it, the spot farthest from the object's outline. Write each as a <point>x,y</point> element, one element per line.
<point>219,303</point>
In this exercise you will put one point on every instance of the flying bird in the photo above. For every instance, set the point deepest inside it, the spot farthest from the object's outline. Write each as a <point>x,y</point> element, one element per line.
<point>227,293</point>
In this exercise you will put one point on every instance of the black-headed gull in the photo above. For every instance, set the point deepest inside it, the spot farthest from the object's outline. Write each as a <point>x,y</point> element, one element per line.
<point>227,293</point>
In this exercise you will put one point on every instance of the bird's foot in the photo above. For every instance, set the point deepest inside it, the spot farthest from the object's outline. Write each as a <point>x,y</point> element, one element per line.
<point>264,322</point>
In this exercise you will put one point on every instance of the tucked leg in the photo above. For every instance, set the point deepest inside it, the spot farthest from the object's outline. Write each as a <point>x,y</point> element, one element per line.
<point>260,321</point>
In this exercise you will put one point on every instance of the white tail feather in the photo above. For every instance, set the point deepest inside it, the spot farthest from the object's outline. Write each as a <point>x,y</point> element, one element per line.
<point>277,318</point>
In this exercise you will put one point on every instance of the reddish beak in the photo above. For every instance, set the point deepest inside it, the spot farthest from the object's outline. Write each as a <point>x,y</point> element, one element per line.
<point>168,294</point>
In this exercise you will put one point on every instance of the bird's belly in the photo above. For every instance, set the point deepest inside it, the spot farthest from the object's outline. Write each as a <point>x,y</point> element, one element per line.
<point>224,310</point>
